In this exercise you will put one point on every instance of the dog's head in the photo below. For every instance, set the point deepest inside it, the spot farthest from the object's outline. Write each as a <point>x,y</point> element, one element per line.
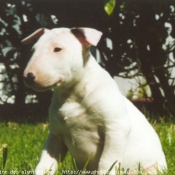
<point>59,56</point>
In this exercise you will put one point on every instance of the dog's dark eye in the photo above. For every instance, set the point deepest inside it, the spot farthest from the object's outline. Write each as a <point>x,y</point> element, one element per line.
<point>57,49</point>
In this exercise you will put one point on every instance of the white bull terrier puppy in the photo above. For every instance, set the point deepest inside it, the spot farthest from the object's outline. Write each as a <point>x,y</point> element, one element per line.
<point>89,117</point>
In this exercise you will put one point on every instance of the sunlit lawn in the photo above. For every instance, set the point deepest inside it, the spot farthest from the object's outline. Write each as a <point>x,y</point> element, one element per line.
<point>23,143</point>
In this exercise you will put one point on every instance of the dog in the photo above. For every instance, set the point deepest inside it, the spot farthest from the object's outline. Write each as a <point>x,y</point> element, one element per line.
<point>88,115</point>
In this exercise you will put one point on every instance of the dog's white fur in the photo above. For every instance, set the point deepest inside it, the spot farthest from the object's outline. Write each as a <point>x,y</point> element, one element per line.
<point>89,117</point>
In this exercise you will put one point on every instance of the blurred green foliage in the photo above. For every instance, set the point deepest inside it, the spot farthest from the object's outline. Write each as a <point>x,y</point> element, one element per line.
<point>134,35</point>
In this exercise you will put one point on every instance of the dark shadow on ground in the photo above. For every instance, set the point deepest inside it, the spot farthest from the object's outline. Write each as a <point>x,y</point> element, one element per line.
<point>29,113</point>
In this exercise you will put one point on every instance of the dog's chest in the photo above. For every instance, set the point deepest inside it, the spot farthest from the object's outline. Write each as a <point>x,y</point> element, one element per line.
<point>80,131</point>
<point>70,111</point>
<point>74,117</point>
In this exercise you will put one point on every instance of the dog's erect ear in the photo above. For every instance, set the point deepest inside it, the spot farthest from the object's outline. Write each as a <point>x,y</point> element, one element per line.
<point>87,36</point>
<point>34,35</point>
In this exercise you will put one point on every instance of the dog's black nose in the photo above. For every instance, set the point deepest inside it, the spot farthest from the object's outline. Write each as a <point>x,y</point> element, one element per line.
<point>30,79</point>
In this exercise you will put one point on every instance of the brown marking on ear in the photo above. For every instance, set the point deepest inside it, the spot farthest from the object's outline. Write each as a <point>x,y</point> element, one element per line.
<point>80,35</point>
<point>87,36</point>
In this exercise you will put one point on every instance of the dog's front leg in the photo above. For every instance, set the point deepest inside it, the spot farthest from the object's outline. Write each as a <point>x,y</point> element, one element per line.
<point>53,148</point>
<point>114,146</point>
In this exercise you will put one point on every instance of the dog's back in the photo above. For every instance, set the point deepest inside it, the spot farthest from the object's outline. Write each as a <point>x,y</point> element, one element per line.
<point>143,145</point>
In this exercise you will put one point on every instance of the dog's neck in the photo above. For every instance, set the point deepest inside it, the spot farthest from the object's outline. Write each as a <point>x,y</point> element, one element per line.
<point>84,85</point>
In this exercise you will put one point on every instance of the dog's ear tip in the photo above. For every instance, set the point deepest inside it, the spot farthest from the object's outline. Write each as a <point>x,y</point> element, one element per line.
<point>34,35</point>
<point>24,41</point>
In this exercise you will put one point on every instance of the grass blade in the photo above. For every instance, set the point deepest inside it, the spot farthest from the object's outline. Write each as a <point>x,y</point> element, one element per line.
<point>111,168</point>
<point>87,162</point>
<point>4,150</point>
<point>74,164</point>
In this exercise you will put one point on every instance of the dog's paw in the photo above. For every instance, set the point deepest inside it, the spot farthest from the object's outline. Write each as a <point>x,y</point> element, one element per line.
<point>47,165</point>
<point>46,168</point>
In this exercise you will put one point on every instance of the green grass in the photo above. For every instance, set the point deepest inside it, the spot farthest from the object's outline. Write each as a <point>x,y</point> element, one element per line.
<point>21,144</point>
